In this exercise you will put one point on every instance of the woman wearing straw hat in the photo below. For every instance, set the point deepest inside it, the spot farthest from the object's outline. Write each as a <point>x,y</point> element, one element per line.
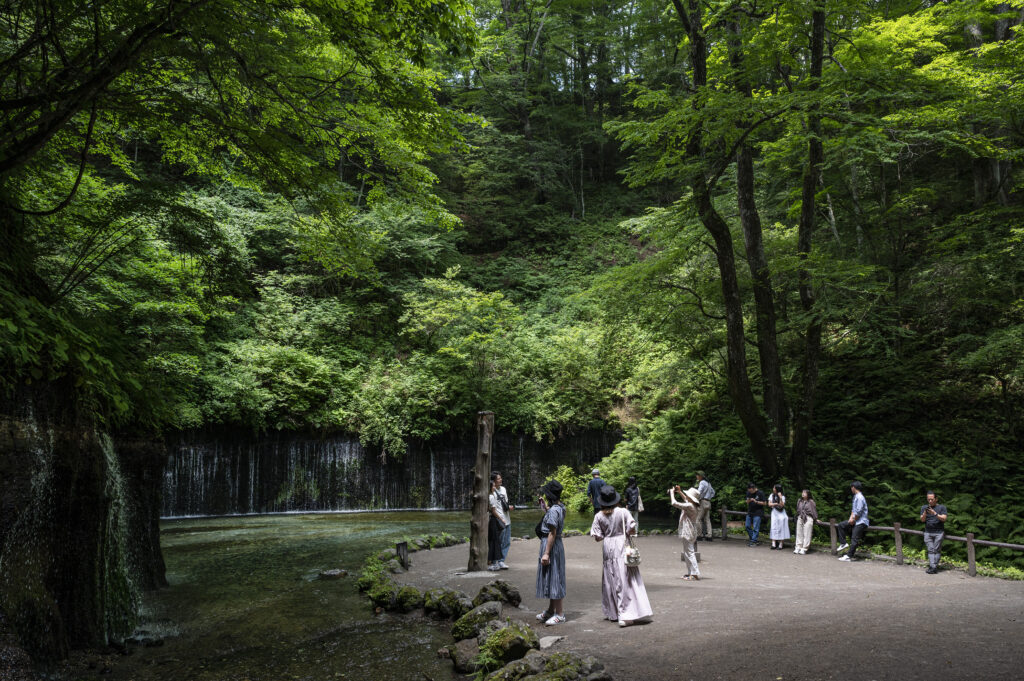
<point>623,596</point>
<point>687,506</point>
<point>551,561</point>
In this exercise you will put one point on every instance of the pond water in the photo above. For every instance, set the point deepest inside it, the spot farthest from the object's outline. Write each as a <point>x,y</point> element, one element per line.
<point>245,603</point>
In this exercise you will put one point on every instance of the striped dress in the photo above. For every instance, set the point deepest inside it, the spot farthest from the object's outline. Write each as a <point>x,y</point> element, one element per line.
<point>551,577</point>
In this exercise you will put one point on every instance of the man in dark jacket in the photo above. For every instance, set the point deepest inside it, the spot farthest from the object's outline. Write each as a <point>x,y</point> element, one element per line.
<point>594,489</point>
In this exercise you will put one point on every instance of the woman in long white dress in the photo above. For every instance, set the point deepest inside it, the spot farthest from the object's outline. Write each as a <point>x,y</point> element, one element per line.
<point>780,519</point>
<point>688,506</point>
<point>623,596</point>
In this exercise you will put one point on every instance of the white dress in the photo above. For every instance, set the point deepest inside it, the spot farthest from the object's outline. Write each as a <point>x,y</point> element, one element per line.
<point>780,521</point>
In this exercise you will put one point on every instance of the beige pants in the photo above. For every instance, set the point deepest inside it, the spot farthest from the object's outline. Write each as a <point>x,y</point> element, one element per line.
<point>702,517</point>
<point>690,556</point>
<point>804,530</point>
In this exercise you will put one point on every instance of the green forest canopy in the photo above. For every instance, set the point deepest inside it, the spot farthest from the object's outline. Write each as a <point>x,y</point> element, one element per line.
<point>780,240</point>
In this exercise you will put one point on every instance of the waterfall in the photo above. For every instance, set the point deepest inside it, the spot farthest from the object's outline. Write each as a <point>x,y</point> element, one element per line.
<point>225,474</point>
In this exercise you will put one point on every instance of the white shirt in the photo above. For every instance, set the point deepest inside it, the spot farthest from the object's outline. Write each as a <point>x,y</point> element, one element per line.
<point>495,502</point>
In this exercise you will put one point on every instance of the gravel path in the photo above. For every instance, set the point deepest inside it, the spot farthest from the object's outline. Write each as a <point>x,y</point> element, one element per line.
<point>762,614</point>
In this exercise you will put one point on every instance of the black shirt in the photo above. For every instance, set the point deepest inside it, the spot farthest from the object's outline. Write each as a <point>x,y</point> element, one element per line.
<point>932,522</point>
<point>752,508</point>
<point>632,494</point>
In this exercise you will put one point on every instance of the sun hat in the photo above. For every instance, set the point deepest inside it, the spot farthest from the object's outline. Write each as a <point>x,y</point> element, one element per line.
<point>693,494</point>
<point>553,489</point>
<point>608,497</point>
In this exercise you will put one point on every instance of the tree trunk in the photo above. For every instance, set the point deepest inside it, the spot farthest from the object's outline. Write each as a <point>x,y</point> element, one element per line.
<point>812,335</point>
<point>481,480</point>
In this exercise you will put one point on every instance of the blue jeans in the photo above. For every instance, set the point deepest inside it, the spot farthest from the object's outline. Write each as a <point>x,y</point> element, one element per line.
<point>506,541</point>
<point>753,527</point>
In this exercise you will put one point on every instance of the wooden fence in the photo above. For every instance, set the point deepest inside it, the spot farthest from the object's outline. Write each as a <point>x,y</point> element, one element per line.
<point>898,532</point>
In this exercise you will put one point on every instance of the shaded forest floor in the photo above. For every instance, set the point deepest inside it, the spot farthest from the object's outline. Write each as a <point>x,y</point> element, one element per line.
<point>761,614</point>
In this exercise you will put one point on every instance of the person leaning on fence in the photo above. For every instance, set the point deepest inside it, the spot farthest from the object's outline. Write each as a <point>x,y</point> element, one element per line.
<point>853,530</point>
<point>707,493</point>
<point>933,515</point>
<point>806,516</point>
<point>687,528</point>
<point>755,511</point>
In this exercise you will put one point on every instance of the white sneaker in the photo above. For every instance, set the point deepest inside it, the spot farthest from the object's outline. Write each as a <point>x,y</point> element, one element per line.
<point>502,566</point>
<point>554,619</point>
<point>542,617</point>
<point>796,550</point>
<point>846,559</point>
<point>493,568</point>
<point>842,548</point>
<point>624,623</point>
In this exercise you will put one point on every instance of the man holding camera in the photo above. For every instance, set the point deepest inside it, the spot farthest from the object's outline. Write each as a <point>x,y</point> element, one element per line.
<point>933,515</point>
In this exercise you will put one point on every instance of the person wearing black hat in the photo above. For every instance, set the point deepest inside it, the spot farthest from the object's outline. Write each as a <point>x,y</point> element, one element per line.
<point>623,596</point>
<point>551,561</point>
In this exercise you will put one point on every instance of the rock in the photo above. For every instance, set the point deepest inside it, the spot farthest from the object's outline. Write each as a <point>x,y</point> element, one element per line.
<point>550,666</point>
<point>464,655</point>
<point>470,624</point>
<point>498,590</point>
<point>548,641</point>
<point>421,543</point>
<point>510,643</point>
<point>444,653</point>
<point>489,629</point>
<point>333,574</point>
<point>572,533</point>
<point>387,554</point>
<point>394,567</point>
<point>383,593</point>
<point>408,599</point>
<point>446,603</point>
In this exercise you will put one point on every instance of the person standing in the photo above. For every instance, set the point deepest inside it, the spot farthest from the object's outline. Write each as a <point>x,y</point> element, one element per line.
<point>780,519</point>
<point>806,516</point>
<point>933,515</point>
<point>853,529</point>
<point>707,493</point>
<point>755,510</point>
<point>632,495</point>
<point>623,596</point>
<point>551,560</point>
<point>594,489</point>
<point>504,513</point>
<point>499,507</point>
<point>494,530</point>
<point>687,506</point>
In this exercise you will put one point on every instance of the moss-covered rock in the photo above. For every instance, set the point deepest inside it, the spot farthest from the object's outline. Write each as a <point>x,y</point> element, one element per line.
<point>510,643</point>
<point>538,666</point>
<point>383,593</point>
<point>573,533</point>
<point>394,567</point>
<point>386,555</point>
<point>470,624</point>
<point>408,598</point>
<point>446,603</point>
<point>498,590</point>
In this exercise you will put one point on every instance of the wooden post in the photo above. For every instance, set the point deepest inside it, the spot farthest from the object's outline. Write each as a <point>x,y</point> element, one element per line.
<point>725,526</point>
<point>972,568</point>
<point>402,549</point>
<point>899,543</point>
<point>481,486</point>
<point>832,533</point>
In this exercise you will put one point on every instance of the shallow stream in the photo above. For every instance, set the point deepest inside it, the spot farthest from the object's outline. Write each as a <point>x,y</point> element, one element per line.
<point>245,601</point>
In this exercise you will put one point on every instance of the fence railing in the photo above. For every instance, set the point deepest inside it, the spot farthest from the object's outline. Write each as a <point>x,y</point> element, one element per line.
<point>898,532</point>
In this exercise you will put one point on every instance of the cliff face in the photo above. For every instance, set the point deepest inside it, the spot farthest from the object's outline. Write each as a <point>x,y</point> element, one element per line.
<point>78,534</point>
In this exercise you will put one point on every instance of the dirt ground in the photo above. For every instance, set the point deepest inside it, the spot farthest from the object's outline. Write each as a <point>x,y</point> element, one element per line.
<point>761,614</point>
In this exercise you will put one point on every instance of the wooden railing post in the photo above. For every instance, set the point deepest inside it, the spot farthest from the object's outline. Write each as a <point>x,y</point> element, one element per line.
<point>402,549</point>
<point>972,569</point>
<point>899,543</point>
<point>725,526</point>
<point>832,534</point>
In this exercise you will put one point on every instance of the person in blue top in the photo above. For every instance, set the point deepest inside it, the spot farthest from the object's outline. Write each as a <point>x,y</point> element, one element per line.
<point>856,526</point>
<point>594,489</point>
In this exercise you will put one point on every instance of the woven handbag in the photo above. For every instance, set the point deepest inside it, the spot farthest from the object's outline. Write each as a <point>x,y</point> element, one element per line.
<point>631,554</point>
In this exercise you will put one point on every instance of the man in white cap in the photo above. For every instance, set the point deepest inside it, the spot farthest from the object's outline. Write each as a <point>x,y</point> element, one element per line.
<point>594,489</point>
